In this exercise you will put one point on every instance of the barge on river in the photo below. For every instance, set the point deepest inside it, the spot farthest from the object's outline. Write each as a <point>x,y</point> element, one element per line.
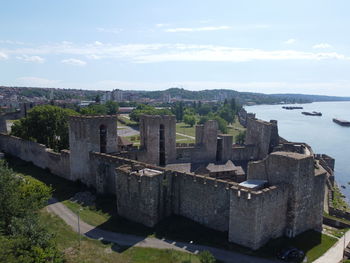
<point>314,113</point>
<point>342,122</point>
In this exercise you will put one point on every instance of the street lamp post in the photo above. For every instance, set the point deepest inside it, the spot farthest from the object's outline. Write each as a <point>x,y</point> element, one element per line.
<point>191,242</point>
<point>79,227</point>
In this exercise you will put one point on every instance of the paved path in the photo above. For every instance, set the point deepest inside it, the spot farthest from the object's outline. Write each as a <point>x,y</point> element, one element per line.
<point>127,131</point>
<point>335,253</point>
<point>131,240</point>
<point>185,135</point>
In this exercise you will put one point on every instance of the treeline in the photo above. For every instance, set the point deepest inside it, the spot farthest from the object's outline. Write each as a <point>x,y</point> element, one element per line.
<point>192,113</point>
<point>48,124</point>
<point>23,237</point>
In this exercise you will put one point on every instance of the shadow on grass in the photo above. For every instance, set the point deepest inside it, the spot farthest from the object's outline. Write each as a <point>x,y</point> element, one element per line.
<point>175,228</point>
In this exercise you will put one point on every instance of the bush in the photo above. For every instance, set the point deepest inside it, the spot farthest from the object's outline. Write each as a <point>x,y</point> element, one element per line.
<point>206,257</point>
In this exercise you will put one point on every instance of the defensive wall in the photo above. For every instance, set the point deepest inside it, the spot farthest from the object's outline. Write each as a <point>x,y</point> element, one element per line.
<point>290,203</point>
<point>38,154</point>
<point>22,112</point>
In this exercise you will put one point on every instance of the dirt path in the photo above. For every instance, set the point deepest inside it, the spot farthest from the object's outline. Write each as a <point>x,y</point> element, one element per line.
<point>131,240</point>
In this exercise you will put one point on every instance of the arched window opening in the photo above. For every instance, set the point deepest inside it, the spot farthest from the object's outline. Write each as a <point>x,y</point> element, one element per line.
<point>103,138</point>
<point>161,145</point>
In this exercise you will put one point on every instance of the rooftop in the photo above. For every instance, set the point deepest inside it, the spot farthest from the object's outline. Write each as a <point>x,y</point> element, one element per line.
<point>253,184</point>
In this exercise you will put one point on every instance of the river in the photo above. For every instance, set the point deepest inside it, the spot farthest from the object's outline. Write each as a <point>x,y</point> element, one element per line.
<point>320,132</point>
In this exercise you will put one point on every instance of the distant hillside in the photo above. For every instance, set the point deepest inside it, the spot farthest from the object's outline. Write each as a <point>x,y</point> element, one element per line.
<point>246,98</point>
<point>311,98</point>
<point>242,97</point>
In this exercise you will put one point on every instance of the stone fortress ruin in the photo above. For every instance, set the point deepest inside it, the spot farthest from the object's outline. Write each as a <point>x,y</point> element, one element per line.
<point>264,189</point>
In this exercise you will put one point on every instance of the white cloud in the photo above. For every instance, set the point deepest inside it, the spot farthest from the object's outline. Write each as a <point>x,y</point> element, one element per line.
<point>74,62</point>
<point>3,55</point>
<point>322,46</point>
<point>196,29</point>
<point>290,41</point>
<point>11,42</point>
<point>152,53</point>
<point>109,30</point>
<point>162,25</point>
<point>35,59</point>
<point>98,43</point>
<point>36,82</point>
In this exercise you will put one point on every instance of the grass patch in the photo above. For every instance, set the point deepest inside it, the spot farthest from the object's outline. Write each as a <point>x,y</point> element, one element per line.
<point>339,201</point>
<point>184,139</point>
<point>313,243</point>
<point>125,121</point>
<point>337,218</point>
<point>183,128</point>
<point>88,214</point>
<point>95,251</point>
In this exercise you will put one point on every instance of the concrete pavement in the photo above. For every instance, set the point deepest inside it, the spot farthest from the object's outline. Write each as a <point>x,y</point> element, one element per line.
<point>131,240</point>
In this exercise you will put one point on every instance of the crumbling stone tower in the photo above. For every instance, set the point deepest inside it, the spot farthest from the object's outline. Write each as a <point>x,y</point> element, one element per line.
<point>158,138</point>
<point>90,134</point>
<point>206,138</point>
<point>262,134</point>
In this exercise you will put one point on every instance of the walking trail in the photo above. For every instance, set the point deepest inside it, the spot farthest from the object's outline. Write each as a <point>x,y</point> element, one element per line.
<point>131,240</point>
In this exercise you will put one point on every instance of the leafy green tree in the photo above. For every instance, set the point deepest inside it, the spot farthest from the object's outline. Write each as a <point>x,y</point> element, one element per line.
<point>147,109</point>
<point>221,122</point>
<point>204,109</point>
<point>111,107</point>
<point>240,138</point>
<point>94,109</point>
<point>23,237</point>
<point>190,120</point>
<point>97,99</point>
<point>45,124</point>
<point>206,257</point>
<point>227,114</point>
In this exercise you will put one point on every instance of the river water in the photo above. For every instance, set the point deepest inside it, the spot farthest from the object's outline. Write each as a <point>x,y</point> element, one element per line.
<point>321,133</point>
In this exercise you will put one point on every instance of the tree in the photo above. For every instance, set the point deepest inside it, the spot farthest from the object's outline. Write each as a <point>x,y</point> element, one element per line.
<point>147,109</point>
<point>240,138</point>
<point>45,124</point>
<point>206,257</point>
<point>221,122</point>
<point>227,114</point>
<point>111,107</point>
<point>97,99</point>
<point>23,237</point>
<point>94,109</point>
<point>190,120</point>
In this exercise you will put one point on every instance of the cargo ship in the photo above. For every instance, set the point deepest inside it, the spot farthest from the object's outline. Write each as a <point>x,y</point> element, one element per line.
<point>292,107</point>
<point>314,113</point>
<point>342,122</point>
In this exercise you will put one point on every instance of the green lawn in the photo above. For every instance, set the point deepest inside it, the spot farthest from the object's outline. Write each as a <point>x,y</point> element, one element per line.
<point>93,251</point>
<point>125,121</point>
<point>185,129</point>
<point>338,201</point>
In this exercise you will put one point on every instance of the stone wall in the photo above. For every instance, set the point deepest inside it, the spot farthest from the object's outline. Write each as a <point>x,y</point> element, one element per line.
<point>151,138</point>
<point>256,217</point>
<point>202,199</point>
<point>84,137</point>
<point>263,134</point>
<point>306,186</point>
<point>244,152</point>
<point>143,196</point>
<point>38,154</point>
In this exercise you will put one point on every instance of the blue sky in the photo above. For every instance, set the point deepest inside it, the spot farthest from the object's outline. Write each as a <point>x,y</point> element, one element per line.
<point>261,46</point>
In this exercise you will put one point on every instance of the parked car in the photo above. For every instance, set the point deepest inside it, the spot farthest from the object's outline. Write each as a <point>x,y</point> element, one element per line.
<point>291,254</point>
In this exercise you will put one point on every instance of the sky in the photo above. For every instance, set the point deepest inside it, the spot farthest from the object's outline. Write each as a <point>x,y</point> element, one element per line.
<point>268,46</point>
